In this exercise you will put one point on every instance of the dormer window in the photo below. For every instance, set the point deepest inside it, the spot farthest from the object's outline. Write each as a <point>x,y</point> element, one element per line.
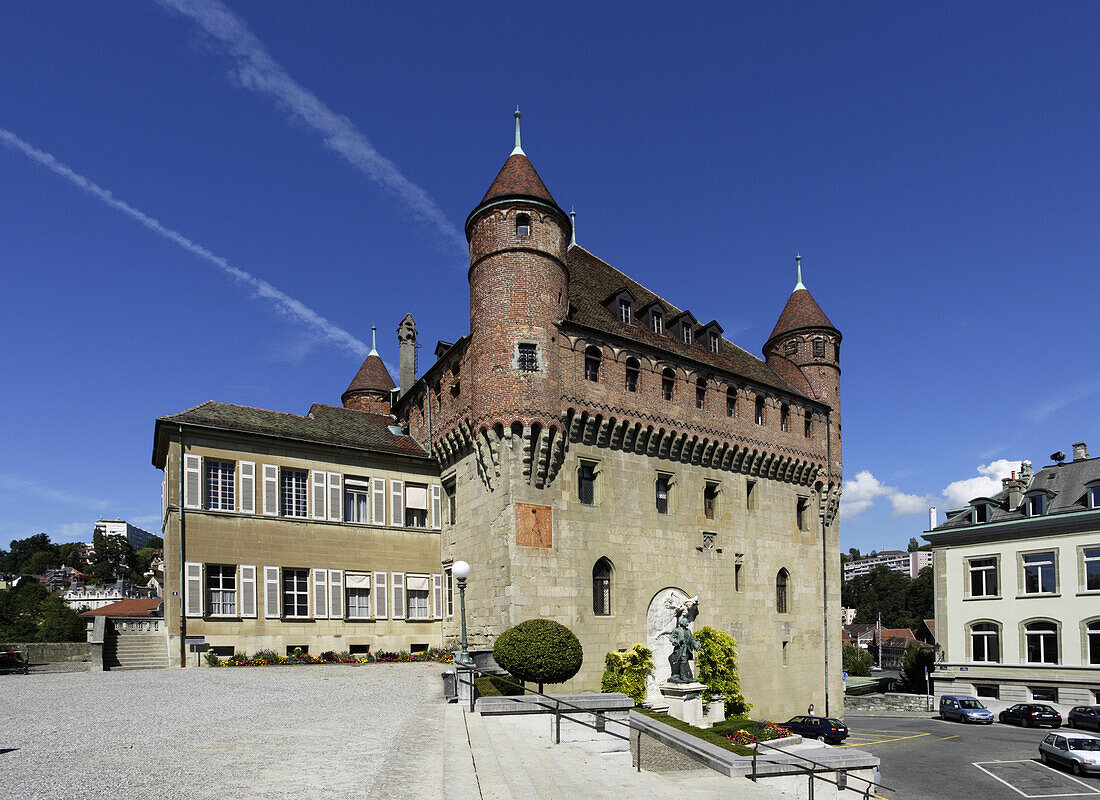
<point>1092,494</point>
<point>523,224</point>
<point>686,335</point>
<point>1035,505</point>
<point>714,340</point>
<point>626,313</point>
<point>982,513</point>
<point>657,323</point>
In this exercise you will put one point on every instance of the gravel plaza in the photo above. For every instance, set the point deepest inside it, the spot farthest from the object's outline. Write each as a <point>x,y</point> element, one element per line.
<point>272,732</point>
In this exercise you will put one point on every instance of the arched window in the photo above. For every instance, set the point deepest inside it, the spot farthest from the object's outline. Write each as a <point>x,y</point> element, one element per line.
<point>808,424</point>
<point>985,642</point>
<point>731,401</point>
<point>592,356</point>
<point>759,410</point>
<point>784,417</point>
<point>1041,639</point>
<point>632,370</point>
<point>523,224</point>
<point>1092,631</point>
<point>668,383</point>
<point>700,392</point>
<point>601,588</point>
<point>781,591</point>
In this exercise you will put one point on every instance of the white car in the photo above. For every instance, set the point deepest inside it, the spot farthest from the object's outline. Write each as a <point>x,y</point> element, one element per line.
<point>1078,751</point>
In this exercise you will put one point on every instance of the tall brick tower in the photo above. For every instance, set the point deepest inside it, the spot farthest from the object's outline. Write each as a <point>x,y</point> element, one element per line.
<point>804,349</point>
<point>518,293</point>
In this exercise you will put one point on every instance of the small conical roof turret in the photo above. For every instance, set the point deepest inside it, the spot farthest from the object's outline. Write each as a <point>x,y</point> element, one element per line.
<point>801,311</point>
<point>369,389</point>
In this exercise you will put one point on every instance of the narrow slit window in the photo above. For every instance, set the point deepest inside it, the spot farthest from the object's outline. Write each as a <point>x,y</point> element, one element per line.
<point>633,368</point>
<point>759,417</point>
<point>784,417</point>
<point>668,383</point>
<point>781,580</point>
<point>592,358</point>
<point>731,402</point>
<point>700,393</point>
<point>601,588</point>
<point>663,483</point>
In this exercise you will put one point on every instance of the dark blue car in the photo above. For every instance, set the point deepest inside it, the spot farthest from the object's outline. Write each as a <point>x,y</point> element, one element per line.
<point>824,729</point>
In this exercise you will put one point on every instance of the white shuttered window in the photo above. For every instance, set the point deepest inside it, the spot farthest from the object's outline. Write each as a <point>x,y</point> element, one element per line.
<point>247,494</point>
<point>335,495</point>
<point>397,502</point>
<point>271,491</point>
<point>320,491</point>
<point>437,596</point>
<point>336,594</point>
<point>320,593</point>
<point>247,584</point>
<point>271,592</point>
<point>437,508</point>
<point>378,501</point>
<point>193,589</point>
<point>378,593</point>
<point>398,594</point>
<point>192,481</point>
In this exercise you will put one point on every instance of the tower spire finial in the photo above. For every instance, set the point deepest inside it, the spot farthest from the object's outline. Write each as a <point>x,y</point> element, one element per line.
<point>373,345</point>
<point>518,149</point>
<point>798,261</point>
<point>573,219</point>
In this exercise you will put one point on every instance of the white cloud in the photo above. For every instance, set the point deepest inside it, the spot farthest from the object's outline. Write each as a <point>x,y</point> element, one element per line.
<point>860,493</point>
<point>258,71</point>
<point>1063,399</point>
<point>32,487</point>
<point>283,304</point>
<point>985,484</point>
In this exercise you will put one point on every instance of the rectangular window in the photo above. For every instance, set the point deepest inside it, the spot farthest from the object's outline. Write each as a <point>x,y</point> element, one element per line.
<point>1039,573</point>
<point>685,333</point>
<point>786,649</point>
<point>714,341</point>
<point>784,417</point>
<point>418,593</point>
<point>737,566</point>
<point>221,591</point>
<point>452,502</point>
<point>292,492</point>
<point>983,577</point>
<point>1094,497</point>
<point>624,311</point>
<point>1092,568</point>
<point>1045,694</point>
<point>819,348</point>
<point>663,482</point>
<point>631,378</point>
<point>802,516</point>
<point>416,505</point>
<point>750,495</point>
<point>356,500</point>
<point>586,483</point>
<point>1036,505</point>
<point>448,592</point>
<point>528,357</point>
<point>296,592</point>
<point>700,394</point>
<point>759,416</point>
<point>658,322</point>
<point>710,499</point>
<point>357,586</point>
<point>731,402</point>
<point>218,485</point>
<point>990,690</point>
<point>790,347</point>
<point>808,424</point>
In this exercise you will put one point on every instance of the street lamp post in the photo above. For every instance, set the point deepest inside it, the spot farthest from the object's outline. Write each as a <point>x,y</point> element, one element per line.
<point>461,570</point>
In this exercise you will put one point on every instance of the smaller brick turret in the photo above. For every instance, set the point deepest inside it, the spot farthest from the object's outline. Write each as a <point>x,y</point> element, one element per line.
<point>371,387</point>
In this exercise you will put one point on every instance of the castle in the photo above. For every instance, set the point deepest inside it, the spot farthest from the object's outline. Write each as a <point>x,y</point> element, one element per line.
<point>589,448</point>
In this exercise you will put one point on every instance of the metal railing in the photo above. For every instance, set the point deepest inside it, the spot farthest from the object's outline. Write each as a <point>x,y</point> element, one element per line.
<point>842,776</point>
<point>600,725</point>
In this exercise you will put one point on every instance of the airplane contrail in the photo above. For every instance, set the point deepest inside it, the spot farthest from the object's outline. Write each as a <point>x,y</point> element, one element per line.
<point>283,303</point>
<point>258,71</point>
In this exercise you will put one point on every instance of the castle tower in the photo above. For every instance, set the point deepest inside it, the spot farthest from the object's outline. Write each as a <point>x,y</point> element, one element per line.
<point>518,292</point>
<point>370,389</point>
<point>804,349</point>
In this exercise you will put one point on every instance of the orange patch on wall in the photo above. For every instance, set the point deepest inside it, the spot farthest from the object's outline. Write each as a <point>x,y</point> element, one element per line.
<point>534,525</point>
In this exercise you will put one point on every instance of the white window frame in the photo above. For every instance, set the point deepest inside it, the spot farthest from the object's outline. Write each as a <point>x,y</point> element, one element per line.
<point>284,506</point>
<point>223,569</point>
<point>427,610</point>
<point>369,615</point>
<point>984,636</point>
<point>448,593</point>
<point>1086,559</point>
<point>357,486</point>
<point>983,570</point>
<point>1041,567</point>
<point>297,591</point>
<point>217,500</point>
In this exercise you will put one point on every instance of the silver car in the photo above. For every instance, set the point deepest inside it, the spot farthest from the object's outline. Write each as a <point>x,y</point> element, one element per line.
<point>1078,751</point>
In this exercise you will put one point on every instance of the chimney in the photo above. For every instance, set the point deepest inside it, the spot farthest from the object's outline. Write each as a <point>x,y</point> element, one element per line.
<point>1025,473</point>
<point>1079,451</point>
<point>406,345</point>
<point>1015,492</point>
<point>931,517</point>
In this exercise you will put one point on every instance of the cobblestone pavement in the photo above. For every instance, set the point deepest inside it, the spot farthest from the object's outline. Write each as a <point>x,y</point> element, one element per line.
<point>273,732</point>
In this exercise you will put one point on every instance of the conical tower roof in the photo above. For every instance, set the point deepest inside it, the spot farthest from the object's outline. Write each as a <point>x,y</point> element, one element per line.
<point>518,178</point>
<point>801,311</point>
<point>371,377</point>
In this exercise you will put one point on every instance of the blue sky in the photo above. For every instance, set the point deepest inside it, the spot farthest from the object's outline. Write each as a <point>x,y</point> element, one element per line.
<point>250,187</point>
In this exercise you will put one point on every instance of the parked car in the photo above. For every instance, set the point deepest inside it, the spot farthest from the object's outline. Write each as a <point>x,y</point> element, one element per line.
<point>964,708</point>
<point>1078,751</point>
<point>1031,715</point>
<point>1084,717</point>
<point>824,729</point>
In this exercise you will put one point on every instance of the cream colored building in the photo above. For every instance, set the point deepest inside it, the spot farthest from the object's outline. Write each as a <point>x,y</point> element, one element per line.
<point>318,531</point>
<point>1018,588</point>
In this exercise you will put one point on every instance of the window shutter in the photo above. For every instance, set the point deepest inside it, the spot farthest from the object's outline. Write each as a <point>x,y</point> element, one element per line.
<point>247,489</point>
<point>271,592</point>
<point>335,496</point>
<point>319,492</point>
<point>248,591</point>
<point>320,593</point>
<point>193,590</point>
<point>437,596</point>
<point>378,501</point>
<point>398,595</point>
<point>378,596</point>
<point>192,481</point>
<point>397,502</point>
<point>336,594</point>
<point>437,509</point>
<point>271,493</point>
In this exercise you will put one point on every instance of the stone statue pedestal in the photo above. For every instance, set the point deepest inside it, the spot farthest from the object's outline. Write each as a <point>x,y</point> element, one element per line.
<point>685,702</point>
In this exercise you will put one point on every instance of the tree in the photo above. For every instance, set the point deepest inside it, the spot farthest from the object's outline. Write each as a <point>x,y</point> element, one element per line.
<point>857,661</point>
<point>33,555</point>
<point>58,622</point>
<point>853,553</point>
<point>139,564</point>
<point>112,555</point>
<point>716,668</point>
<point>914,545</point>
<point>917,660</point>
<point>539,650</point>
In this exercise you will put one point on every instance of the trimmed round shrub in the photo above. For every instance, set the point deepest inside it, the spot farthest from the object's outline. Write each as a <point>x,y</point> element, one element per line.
<point>539,651</point>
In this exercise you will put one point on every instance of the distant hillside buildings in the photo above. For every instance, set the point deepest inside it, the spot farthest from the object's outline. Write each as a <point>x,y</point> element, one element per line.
<point>898,560</point>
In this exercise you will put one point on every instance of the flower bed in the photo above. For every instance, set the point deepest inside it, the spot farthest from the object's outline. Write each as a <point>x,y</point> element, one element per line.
<point>268,658</point>
<point>747,732</point>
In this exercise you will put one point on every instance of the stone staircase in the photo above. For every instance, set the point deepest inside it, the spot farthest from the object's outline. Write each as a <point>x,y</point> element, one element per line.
<point>136,651</point>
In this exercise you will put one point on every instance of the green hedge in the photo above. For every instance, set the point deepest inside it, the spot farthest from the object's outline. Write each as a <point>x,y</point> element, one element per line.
<point>716,667</point>
<point>627,671</point>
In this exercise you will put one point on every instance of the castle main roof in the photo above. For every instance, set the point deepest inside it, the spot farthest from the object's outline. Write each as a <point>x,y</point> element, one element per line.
<point>801,311</point>
<point>592,280</point>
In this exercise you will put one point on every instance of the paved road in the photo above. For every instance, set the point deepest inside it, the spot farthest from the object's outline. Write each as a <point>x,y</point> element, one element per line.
<point>929,759</point>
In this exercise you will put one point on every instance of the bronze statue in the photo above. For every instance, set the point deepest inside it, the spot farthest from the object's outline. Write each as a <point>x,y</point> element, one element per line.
<point>683,646</point>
